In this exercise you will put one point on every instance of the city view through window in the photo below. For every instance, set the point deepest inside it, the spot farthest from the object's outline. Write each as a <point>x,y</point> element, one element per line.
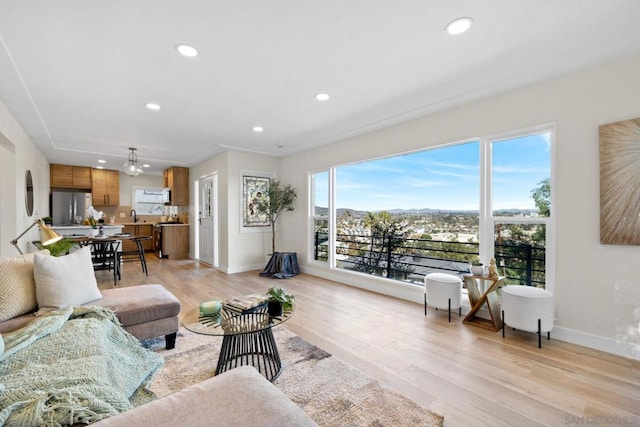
<point>403,217</point>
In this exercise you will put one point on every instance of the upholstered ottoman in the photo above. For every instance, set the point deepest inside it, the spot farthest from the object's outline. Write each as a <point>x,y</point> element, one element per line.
<point>145,311</point>
<point>239,397</point>
<point>443,291</point>
<point>528,309</point>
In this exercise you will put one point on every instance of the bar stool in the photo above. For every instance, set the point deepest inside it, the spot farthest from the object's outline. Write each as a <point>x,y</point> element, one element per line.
<point>443,291</point>
<point>143,260</point>
<point>528,309</point>
<point>137,254</point>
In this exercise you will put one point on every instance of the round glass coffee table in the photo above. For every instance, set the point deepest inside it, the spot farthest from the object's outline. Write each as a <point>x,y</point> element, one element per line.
<point>247,337</point>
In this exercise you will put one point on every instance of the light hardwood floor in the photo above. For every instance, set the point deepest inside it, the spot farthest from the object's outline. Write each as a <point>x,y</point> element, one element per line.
<point>472,376</point>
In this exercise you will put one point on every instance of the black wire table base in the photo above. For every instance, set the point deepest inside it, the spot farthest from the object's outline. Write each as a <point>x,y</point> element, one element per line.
<point>257,349</point>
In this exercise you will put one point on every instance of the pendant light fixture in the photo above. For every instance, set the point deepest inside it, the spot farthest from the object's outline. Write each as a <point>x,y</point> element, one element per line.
<point>131,167</point>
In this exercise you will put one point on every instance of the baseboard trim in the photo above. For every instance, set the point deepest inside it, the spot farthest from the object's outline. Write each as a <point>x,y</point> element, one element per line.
<point>596,342</point>
<point>242,268</point>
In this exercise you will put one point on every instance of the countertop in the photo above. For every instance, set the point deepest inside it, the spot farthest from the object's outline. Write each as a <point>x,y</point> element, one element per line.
<point>149,223</point>
<point>65,227</point>
<point>120,225</point>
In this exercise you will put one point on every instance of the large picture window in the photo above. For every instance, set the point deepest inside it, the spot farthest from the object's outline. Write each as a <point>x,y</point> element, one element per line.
<point>405,216</point>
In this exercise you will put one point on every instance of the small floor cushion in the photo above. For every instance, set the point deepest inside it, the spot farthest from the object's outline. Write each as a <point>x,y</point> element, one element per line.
<point>140,304</point>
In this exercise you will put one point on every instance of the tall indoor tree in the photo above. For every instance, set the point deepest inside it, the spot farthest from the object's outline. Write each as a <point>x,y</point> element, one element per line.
<point>280,198</point>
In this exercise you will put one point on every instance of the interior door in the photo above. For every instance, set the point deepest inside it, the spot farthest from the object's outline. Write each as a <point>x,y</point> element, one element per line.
<point>206,219</point>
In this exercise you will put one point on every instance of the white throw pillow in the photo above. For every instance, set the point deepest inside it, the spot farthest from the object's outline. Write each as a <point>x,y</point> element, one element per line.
<point>17,287</point>
<point>65,281</point>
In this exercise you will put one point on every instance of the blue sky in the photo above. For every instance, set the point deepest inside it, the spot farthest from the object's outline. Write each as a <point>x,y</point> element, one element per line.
<point>446,178</point>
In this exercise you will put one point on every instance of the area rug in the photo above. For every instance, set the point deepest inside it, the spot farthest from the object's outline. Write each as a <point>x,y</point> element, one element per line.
<point>330,391</point>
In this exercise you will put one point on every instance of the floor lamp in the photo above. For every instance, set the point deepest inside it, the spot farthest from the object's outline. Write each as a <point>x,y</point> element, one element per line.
<point>47,235</point>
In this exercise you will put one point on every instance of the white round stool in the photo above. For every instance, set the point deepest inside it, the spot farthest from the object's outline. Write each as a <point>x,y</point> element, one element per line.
<point>443,291</point>
<point>529,309</point>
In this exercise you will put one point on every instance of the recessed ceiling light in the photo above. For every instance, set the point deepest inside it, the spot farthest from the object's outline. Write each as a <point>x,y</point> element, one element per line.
<point>459,26</point>
<point>186,50</point>
<point>145,166</point>
<point>102,161</point>
<point>322,96</point>
<point>152,106</point>
<point>258,129</point>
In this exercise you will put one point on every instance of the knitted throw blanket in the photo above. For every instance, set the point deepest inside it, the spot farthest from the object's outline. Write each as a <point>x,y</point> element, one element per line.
<point>75,365</point>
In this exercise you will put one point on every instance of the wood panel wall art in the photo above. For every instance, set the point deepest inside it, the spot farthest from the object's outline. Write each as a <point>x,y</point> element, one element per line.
<point>620,183</point>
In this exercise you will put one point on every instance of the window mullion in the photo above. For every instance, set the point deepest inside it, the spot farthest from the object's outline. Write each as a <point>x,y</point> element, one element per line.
<point>486,221</point>
<point>332,219</point>
<point>312,216</point>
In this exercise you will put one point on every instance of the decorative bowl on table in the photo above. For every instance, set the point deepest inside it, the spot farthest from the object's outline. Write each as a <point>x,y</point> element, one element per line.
<point>210,308</point>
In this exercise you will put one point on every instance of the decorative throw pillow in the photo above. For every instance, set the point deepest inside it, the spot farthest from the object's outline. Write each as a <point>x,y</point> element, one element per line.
<point>65,281</point>
<point>17,287</point>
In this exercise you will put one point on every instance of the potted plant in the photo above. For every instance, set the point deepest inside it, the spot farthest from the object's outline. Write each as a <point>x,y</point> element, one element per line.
<point>476,267</point>
<point>47,220</point>
<point>61,247</point>
<point>279,198</point>
<point>278,301</point>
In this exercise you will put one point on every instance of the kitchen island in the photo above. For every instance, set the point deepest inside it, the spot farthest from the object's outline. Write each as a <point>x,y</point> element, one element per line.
<point>86,230</point>
<point>173,240</point>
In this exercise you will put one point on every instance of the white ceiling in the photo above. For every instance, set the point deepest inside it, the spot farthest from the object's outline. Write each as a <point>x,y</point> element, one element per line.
<point>77,73</point>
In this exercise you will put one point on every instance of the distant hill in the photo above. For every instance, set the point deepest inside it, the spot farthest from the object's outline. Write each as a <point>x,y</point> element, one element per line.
<point>427,211</point>
<point>424,211</point>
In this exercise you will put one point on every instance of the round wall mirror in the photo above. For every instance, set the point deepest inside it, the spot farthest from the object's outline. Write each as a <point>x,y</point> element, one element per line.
<point>29,193</point>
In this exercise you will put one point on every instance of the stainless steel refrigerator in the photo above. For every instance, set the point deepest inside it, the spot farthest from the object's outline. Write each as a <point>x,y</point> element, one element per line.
<point>69,208</point>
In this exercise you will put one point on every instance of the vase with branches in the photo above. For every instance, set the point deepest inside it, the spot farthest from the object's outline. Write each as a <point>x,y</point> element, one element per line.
<point>279,198</point>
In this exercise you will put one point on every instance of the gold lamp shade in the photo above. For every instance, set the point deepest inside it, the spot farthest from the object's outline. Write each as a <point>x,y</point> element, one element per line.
<point>47,235</point>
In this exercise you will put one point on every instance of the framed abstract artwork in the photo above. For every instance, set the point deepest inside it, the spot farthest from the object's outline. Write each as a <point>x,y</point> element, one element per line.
<point>254,189</point>
<point>620,183</point>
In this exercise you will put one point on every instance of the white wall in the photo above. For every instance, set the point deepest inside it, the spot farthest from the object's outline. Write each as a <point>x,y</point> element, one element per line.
<point>239,250</point>
<point>247,248</point>
<point>8,213</point>
<point>19,154</point>
<point>596,286</point>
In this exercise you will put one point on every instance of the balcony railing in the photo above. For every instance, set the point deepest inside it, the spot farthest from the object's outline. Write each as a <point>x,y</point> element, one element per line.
<point>411,259</point>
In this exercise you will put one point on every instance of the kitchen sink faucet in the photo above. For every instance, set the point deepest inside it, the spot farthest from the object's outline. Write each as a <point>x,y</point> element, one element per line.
<point>134,215</point>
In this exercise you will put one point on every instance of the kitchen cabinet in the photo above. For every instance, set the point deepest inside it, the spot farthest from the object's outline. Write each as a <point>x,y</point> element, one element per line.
<point>67,176</point>
<point>105,187</point>
<point>174,242</point>
<point>177,180</point>
<point>139,230</point>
